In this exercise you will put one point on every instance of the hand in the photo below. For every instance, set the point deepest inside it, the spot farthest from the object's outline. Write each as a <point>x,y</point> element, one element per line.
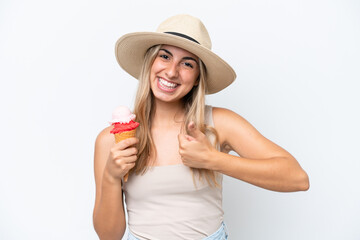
<point>195,149</point>
<point>122,158</point>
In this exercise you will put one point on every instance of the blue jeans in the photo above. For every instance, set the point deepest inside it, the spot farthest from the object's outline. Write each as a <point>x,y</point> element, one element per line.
<point>220,234</point>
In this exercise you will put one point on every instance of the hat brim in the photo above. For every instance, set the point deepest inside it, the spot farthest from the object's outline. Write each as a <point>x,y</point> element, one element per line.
<point>130,50</point>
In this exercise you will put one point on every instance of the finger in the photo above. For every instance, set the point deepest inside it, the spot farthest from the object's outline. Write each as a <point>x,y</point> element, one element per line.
<point>131,159</point>
<point>126,160</point>
<point>128,152</point>
<point>193,130</point>
<point>117,154</point>
<point>184,161</point>
<point>184,139</point>
<point>126,168</point>
<point>189,138</point>
<point>127,143</point>
<point>129,167</point>
<point>181,138</point>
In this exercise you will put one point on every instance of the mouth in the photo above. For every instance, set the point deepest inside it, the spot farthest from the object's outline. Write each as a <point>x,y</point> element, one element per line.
<point>167,85</point>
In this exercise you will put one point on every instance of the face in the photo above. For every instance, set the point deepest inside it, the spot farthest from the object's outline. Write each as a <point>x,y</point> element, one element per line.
<point>173,74</point>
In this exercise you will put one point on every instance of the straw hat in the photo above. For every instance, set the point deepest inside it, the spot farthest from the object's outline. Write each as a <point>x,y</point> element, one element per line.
<point>182,31</point>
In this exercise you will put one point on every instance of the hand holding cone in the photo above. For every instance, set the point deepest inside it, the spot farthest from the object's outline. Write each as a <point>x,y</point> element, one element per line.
<point>124,126</point>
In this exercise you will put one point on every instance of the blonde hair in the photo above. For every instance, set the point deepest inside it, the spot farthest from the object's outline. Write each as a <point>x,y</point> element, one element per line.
<point>194,106</point>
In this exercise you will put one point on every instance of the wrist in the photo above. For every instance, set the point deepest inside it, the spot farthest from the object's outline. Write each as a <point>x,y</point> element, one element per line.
<point>110,179</point>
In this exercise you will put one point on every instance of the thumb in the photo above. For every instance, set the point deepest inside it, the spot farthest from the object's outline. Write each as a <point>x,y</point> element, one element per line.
<point>193,130</point>
<point>184,137</point>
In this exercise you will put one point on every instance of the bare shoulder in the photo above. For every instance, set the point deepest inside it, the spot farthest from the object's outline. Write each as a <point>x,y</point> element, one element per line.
<point>223,113</point>
<point>105,139</point>
<point>236,133</point>
<point>226,119</point>
<point>105,136</point>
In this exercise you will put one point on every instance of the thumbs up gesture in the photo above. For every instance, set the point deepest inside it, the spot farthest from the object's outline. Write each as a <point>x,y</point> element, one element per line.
<point>195,149</point>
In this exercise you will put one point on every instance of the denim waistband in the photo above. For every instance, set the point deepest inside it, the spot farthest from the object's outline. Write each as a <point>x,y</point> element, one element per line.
<point>220,234</point>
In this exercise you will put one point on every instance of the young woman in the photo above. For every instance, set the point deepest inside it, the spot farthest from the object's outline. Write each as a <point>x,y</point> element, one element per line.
<point>180,154</point>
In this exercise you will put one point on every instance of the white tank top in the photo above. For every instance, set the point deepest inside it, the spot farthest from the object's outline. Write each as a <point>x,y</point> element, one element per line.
<point>164,203</point>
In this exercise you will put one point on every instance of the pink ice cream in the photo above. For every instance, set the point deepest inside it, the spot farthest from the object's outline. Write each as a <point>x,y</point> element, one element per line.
<point>123,120</point>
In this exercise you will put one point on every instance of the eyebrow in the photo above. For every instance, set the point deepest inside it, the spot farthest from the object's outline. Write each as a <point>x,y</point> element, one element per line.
<point>185,58</point>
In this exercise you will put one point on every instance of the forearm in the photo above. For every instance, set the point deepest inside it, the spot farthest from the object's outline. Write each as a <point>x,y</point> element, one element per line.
<point>282,174</point>
<point>109,216</point>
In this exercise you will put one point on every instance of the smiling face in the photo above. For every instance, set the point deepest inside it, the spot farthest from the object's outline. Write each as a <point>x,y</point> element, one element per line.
<point>173,74</point>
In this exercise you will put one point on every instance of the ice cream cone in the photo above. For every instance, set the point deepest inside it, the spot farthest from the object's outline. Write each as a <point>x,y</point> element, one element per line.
<point>124,126</point>
<point>122,136</point>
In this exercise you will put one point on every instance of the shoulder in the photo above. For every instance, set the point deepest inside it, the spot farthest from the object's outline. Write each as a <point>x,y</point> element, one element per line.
<point>105,139</point>
<point>223,117</point>
<point>230,126</point>
<point>103,145</point>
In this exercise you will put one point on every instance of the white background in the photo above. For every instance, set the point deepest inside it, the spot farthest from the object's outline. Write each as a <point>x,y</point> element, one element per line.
<point>298,83</point>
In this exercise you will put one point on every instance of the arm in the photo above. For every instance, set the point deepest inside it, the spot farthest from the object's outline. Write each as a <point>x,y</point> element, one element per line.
<point>260,161</point>
<point>111,162</point>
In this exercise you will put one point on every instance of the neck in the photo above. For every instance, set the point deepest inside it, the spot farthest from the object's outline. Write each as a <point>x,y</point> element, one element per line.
<point>168,114</point>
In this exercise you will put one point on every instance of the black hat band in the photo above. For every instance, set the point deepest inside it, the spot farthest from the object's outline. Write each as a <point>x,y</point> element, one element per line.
<point>183,36</point>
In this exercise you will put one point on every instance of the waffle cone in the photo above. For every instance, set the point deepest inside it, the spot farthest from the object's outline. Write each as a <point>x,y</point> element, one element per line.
<point>122,136</point>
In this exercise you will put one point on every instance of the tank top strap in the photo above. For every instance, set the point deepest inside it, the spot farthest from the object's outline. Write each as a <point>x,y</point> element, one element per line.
<point>208,116</point>
<point>209,121</point>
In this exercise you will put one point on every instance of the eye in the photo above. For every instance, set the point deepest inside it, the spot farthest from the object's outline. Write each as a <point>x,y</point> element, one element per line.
<point>164,56</point>
<point>188,64</point>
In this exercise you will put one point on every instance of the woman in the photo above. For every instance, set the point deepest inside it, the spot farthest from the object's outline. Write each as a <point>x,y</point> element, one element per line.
<point>180,154</point>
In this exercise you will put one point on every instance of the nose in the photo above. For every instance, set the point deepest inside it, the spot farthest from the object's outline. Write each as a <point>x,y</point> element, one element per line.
<point>172,70</point>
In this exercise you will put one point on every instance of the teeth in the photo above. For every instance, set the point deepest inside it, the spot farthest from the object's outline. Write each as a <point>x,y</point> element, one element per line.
<point>167,84</point>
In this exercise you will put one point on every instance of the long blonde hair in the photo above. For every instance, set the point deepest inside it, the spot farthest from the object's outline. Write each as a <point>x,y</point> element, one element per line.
<point>194,106</point>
